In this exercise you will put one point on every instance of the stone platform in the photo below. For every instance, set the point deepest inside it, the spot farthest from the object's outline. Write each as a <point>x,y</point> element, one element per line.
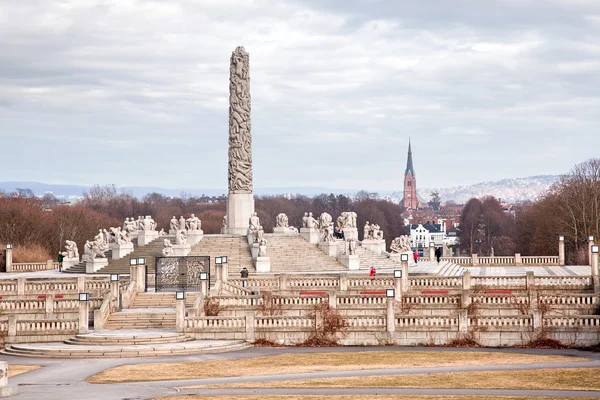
<point>128,343</point>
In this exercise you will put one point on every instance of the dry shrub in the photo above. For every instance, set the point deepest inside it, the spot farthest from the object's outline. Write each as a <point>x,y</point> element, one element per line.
<point>404,307</point>
<point>266,343</point>
<point>31,253</point>
<point>269,307</point>
<point>327,322</point>
<point>543,342</point>
<point>212,307</point>
<point>467,340</point>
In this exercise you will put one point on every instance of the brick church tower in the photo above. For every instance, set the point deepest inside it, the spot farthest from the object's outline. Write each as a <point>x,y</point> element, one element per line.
<point>410,200</point>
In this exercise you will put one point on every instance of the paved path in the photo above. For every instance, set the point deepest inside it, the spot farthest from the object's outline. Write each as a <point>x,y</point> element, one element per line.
<point>65,379</point>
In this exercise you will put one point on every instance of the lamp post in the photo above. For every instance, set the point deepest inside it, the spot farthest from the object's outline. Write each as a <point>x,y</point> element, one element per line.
<point>84,308</point>
<point>9,248</point>
<point>561,250</point>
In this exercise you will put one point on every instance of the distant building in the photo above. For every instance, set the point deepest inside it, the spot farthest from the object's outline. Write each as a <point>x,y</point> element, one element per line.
<point>411,200</point>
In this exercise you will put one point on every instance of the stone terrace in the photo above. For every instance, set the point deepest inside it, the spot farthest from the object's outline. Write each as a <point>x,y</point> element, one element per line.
<point>291,253</point>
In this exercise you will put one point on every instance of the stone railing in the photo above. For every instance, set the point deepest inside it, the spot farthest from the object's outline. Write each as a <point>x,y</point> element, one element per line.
<point>298,301</point>
<point>539,260</point>
<point>255,283</point>
<point>96,286</point>
<point>314,282</point>
<point>508,282</point>
<point>570,282</point>
<point>580,321</point>
<point>410,322</point>
<point>585,299</point>
<point>434,300</point>
<point>101,315</point>
<point>516,260</point>
<point>215,324</point>
<point>360,301</point>
<point>436,282</point>
<point>234,289</point>
<point>282,322</point>
<point>33,267</point>
<point>366,282</point>
<point>17,330</point>
<point>499,300</point>
<point>524,322</point>
<point>238,301</point>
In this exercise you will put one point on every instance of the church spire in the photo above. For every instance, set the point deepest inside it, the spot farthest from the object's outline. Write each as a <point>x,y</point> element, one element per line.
<point>409,162</point>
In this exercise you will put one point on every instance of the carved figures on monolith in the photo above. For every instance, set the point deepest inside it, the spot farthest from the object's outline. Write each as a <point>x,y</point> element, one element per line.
<point>281,221</point>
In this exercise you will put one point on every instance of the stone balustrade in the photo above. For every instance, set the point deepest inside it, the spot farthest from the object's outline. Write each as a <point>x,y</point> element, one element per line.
<point>193,324</point>
<point>565,282</point>
<point>516,260</point>
<point>585,299</point>
<point>34,267</point>
<point>436,282</point>
<point>96,286</point>
<point>314,282</point>
<point>518,323</point>
<point>353,301</point>
<point>453,300</point>
<point>263,323</point>
<point>298,301</point>
<point>17,330</point>
<point>507,282</point>
<point>421,322</point>
<point>580,321</point>
<point>366,322</point>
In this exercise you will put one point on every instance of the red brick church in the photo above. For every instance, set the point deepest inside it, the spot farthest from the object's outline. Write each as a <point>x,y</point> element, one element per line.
<point>411,200</point>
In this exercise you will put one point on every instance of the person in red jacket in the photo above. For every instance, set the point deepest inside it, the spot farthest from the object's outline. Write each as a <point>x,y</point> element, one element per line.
<point>416,256</point>
<point>372,271</point>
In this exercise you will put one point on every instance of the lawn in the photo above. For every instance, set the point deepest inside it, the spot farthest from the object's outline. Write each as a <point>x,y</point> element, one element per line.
<point>548,379</point>
<point>312,362</point>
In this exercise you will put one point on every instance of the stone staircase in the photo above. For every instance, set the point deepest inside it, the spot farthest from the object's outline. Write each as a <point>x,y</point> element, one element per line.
<point>143,318</point>
<point>234,247</point>
<point>126,344</point>
<point>380,261</point>
<point>160,300</point>
<point>149,252</point>
<point>291,253</point>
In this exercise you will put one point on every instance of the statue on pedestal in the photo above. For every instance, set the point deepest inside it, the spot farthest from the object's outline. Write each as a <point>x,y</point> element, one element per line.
<point>181,223</point>
<point>305,220</point>
<point>181,237</point>
<point>193,223</point>
<point>87,248</point>
<point>167,248</point>
<point>173,224</point>
<point>162,233</point>
<point>311,222</point>
<point>328,233</point>
<point>324,220</point>
<point>281,221</point>
<point>72,251</point>
<point>262,248</point>
<point>367,231</point>
<point>401,245</point>
<point>351,247</point>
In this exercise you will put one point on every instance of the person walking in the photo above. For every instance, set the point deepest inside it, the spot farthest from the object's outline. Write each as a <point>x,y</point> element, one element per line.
<point>438,254</point>
<point>416,256</point>
<point>244,276</point>
<point>60,259</point>
<point>372,272</point>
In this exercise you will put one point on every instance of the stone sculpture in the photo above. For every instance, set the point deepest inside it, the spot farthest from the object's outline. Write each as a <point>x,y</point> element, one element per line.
<point>167,248</point>
<point>130,225</point>
<point>401,245</point>
<point>162,233</point>
<point>254,222</point>
<point>87,248</point>
<point>97,250</point>
<point>123,237</point>
<point>324,220</point>
<point>367,231</point>
<point>305,220</point>
<point>293,229</point>
<point>281,221</point>
<point>148,224</point>
<point>328,233</point>
<point>72,251</point>
<point>260,234</point>
<point>262,248</point>
<point>193,223</point>
<point>224,225</point>
<point>173,224</point>
<point>351,247</point>
<point>181,237</point>
<point>240,138</point>
<point>346,220</point>
<point>372,232</point>
<point>311,222</point>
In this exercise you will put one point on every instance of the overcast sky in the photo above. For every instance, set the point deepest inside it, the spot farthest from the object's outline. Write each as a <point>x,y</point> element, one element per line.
<point>135,92</point>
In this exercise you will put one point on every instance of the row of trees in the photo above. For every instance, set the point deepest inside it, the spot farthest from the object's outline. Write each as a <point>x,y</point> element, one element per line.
<point>31,222</point>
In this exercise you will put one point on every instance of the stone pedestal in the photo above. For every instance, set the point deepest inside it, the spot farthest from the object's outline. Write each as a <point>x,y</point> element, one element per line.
<point>350,233</point>
<point>69,262</point>
<point>397,257</point>
<point>240,207</point>
<point>330,248</point>
<point>194,237</point>
<point>120,250</point>
<point>376,246</point>
<point>263,264</point>
<point>145,237</point>
<point>6,389</point>
<point>181,250</point>
<point>254,250</point>
<point>352,262</point>
<point>312,235</point>
<point>92,266</point>
<point>281,230</point>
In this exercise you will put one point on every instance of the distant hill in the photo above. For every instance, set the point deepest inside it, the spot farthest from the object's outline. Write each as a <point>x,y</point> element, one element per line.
<point>509,190</point>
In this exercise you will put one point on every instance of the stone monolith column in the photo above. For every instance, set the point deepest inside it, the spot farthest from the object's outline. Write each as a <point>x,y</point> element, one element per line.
<point>240,202</point>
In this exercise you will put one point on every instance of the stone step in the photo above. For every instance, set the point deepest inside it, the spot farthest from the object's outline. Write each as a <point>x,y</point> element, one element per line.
<point>115,340</point>
<point>64,350</point>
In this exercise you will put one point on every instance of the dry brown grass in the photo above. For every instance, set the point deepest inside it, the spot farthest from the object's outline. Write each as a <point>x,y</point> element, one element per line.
<point>542,379</point>
<point>14,370</point>
<point>30,253</point>
<point>378,397</point>
<point>312,362</point>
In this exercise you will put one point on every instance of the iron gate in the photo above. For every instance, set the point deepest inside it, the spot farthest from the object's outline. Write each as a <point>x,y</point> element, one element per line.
<point>181,273</point>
